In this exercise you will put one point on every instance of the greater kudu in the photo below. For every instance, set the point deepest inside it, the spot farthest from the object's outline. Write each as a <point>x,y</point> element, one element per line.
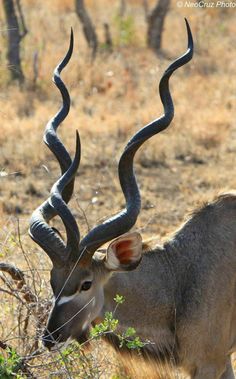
<point>181,296</point>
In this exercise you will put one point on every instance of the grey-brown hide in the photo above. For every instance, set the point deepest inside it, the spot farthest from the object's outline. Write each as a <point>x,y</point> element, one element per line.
<point>182,296</point>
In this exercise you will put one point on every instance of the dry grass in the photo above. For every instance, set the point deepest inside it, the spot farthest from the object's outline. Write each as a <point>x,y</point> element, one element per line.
<point>112,98</point>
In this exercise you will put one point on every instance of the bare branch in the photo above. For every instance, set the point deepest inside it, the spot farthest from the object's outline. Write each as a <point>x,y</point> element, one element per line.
<point>18,276</point>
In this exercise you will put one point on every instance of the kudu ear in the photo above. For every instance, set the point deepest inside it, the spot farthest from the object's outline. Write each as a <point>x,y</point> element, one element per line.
<point>124,253</point>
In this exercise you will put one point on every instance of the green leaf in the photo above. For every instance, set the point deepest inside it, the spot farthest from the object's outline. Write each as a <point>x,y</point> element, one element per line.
<point>119,299</point>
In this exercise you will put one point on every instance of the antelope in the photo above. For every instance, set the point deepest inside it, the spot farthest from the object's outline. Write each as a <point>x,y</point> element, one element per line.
<point>181,295</point>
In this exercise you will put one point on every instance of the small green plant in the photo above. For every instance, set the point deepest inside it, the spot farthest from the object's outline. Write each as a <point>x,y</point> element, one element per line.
<point>76,362</point>
<point>119,299</point>
<point>110,324</point>
<point>126,30</point>
<point>131,340</point>
<point>10,365</point>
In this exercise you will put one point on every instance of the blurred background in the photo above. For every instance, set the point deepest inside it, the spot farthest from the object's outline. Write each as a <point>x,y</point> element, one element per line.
<point>121,49</point>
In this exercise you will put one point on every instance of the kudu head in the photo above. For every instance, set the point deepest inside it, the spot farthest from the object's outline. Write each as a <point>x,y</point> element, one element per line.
<point>79,271</point>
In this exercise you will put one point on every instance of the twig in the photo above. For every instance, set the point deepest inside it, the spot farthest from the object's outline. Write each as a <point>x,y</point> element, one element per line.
<point>13,271</point>
<point>35,67</point>
<point>26,259</point>
<point>18,276</point>
<point>11,293</point>
<point>84,214</point>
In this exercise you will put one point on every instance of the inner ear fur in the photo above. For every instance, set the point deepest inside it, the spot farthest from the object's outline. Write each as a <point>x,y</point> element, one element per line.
<point>125,252</point>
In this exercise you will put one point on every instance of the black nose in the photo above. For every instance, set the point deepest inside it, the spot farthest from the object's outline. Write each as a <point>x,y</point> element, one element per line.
<point>50,340</point>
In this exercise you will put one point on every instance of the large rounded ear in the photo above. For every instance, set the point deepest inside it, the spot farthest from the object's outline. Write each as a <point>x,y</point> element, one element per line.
<point>124,253</point>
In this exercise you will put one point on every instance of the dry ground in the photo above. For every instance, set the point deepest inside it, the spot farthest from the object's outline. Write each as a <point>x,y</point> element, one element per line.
<point>111,99</point>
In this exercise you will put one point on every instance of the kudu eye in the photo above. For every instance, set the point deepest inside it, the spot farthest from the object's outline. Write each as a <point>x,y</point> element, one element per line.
<point>86,286</point>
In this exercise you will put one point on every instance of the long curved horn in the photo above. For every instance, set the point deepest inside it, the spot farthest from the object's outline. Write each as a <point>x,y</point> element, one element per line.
<point>56,200</point>
<point>40,231</point>
<point>125,220</point>
<point>50,137</point>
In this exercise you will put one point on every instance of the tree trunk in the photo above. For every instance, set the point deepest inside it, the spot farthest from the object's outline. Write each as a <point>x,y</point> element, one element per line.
<point>156,23</point>
<point>107,35</point>
<point>145,7</point>
<point>122,9</point>
<point>88,28</point>
<point>14,38</point>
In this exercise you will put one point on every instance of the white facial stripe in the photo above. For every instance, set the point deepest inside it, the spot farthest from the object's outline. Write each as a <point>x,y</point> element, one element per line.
<point>65,299</point>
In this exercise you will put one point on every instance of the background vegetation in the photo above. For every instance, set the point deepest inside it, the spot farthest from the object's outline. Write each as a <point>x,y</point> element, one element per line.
<point>112,97</point>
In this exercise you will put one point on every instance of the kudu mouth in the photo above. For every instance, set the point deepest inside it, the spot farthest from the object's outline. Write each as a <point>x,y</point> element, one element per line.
<point>53,341</point>
<point>53,344</point>
<point>58,332</point>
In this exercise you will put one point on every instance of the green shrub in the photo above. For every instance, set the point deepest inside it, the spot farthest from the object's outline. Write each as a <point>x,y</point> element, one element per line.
<point>10,365</point>
<point>126,30</point>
